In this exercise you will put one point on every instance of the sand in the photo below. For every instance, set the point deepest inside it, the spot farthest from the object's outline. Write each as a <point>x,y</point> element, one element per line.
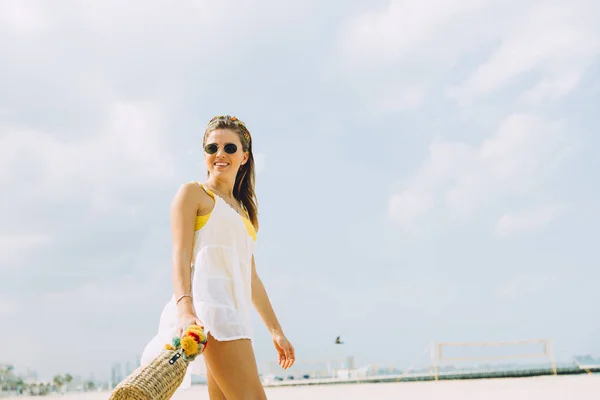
<point>580,387</point>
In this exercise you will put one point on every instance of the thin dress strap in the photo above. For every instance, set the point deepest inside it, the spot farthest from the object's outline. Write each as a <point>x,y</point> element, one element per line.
<point>207,190</point>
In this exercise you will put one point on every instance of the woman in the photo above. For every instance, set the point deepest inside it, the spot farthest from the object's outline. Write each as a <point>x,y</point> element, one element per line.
<point>214,276</point>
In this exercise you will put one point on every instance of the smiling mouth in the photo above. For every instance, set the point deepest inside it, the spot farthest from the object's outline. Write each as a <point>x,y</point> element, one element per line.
<point>220,164</point>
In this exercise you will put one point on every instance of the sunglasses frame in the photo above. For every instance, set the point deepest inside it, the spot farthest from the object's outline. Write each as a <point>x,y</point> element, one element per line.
<point>225,147</point>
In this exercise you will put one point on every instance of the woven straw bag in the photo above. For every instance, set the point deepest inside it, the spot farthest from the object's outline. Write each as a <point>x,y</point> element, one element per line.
<point>162,376</point>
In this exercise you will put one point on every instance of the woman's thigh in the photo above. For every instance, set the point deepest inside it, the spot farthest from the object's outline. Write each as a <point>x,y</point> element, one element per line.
<point>233,367</point>
<point>214,391</point>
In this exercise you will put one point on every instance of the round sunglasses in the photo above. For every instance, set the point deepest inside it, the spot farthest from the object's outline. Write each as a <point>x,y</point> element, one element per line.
<point>212,148</point>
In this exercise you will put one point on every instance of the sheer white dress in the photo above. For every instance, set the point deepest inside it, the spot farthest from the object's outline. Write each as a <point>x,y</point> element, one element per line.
<point>221,283</point>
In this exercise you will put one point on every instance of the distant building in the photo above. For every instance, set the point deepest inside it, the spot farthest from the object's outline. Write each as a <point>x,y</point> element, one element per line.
<point>115,375</point>
<point>356,373</point>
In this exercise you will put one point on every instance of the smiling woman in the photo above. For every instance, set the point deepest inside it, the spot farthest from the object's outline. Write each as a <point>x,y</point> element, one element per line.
<point>215,283</point>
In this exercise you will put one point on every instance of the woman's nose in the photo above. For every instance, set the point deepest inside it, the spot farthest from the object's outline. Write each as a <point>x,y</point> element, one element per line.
<point>220,151</point>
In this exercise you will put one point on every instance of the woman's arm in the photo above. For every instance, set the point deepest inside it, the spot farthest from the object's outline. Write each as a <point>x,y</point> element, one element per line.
<point>285,351</point>
<point>263,306</point>
<point>183,218</point>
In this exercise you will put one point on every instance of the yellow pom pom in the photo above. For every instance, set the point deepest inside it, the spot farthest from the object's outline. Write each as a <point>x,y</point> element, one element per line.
<point>168,346</point>
<point>189,346</point>
<point>194,328</point>
<point>198,331</point>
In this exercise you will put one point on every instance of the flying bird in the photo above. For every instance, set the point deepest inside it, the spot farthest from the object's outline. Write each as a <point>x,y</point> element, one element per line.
<point>338,340</point>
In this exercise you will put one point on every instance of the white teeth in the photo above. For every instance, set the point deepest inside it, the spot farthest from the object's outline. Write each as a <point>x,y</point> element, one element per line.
<point>221,164</point>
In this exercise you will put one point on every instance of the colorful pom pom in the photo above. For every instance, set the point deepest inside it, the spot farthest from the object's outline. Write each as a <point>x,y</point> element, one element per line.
<point>189,345</point>
<point>193,342</point>
<point>176,342</point>
<point>197,333</point>
<point>194,327</point>
<point>195,336</point>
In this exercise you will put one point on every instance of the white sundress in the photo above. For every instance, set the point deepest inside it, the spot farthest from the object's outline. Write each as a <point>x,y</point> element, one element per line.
<point>221,283</point>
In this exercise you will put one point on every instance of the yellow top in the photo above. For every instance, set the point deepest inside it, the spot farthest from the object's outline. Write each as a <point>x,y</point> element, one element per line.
<point>201,220</point>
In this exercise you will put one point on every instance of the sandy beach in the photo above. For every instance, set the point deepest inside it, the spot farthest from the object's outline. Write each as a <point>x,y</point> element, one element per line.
<point>581,387</point>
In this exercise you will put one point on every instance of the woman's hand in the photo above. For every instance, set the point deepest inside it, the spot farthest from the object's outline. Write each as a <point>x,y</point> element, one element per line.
<point>285,350</point>
<point>187,319</point>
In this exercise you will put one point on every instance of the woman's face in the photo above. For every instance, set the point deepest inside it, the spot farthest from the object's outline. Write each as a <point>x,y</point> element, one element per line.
<point>223,161</point>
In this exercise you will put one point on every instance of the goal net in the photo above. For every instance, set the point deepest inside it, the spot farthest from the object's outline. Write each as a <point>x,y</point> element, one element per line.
<point>488,359</point>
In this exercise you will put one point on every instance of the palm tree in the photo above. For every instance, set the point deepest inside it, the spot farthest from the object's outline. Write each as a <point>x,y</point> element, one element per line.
<point>20,386</point>
<point>68,379</point>
<point>89,386</point>
<point>58,381</point>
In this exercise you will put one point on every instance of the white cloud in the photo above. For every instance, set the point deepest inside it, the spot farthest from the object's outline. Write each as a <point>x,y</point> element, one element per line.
<point>461,178</point>
<point>21,17</point>
<point>113,296</point>
<point>555,39</point>
<point>92,180</point>
<point>553,87</point>
<point>402,97</point>
<point>130,152</point>
<point>390,58</point>
<point>554,42</point>
<point>511,223</point>
<point>17,246</point>
<point>406,33</point>
<point>409,205</point>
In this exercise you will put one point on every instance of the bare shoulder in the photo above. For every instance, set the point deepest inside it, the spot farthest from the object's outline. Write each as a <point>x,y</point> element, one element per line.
<point>191,195</point>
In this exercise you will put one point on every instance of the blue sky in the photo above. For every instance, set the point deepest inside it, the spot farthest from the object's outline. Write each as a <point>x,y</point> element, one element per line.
<point>425,172</point>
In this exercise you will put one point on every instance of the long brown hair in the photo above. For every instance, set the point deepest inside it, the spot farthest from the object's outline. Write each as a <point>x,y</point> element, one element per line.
<point>243,188</point>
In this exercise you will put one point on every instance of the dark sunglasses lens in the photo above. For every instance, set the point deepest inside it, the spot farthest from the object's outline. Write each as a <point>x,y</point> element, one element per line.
<point>230,148</point>
<point>211,148</point>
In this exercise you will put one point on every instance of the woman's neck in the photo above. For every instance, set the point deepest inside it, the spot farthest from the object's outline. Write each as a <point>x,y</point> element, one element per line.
<point>224,188</point>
